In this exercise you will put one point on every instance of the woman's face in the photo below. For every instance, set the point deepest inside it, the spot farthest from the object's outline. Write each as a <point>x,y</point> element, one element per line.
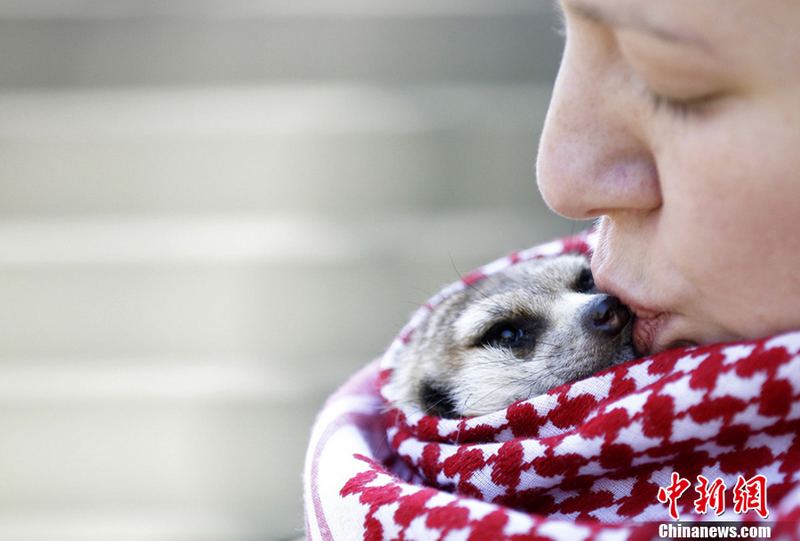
<point>678,122</point>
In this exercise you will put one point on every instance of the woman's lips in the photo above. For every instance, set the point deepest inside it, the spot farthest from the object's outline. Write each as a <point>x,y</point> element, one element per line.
<point>651,326</point>
<point>646,331</point>
<point>648,324</point>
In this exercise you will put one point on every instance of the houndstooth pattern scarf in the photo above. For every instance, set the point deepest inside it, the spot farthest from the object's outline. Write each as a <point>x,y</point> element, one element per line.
<point>594,459</point>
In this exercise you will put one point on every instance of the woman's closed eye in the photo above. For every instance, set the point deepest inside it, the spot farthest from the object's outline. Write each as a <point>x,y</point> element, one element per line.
<point>675,79</point>
<point>681,107</point>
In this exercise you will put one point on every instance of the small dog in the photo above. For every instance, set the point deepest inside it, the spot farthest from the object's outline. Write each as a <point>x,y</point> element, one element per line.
<point>514,335</point>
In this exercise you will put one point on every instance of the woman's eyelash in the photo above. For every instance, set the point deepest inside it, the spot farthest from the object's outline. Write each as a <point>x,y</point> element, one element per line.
<point>679,107</point>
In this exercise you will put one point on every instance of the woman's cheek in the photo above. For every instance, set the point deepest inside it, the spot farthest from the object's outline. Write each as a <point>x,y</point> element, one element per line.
<point>725,211</point>
<point>695,231</point>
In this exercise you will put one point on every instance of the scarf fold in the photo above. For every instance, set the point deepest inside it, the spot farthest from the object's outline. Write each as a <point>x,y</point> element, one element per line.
<point>598,458</point>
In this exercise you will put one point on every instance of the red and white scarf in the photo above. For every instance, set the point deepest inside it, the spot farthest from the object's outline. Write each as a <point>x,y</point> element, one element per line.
<point>584,461</point>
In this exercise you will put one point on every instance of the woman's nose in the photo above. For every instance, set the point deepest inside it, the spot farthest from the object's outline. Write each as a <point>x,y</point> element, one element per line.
<point>593,155</point>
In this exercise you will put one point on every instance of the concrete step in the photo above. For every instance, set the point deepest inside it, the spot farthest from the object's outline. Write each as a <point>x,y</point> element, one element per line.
<point>334,148</point>
<point>159,381</point>
<point>100,9</point>
<point>96,523</point>
<point>73,43</point>
<point>144,470</point>
<point>244,289</point>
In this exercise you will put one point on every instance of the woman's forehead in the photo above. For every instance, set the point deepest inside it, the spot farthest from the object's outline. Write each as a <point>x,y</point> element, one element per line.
<point>645,17</point>
<point>744,31</point>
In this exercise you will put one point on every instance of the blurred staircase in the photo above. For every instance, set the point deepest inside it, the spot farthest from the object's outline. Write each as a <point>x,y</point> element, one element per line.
<point>211,212</point>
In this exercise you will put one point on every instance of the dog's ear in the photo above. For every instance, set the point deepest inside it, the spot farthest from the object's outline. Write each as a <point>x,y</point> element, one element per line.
<point>436,399</point>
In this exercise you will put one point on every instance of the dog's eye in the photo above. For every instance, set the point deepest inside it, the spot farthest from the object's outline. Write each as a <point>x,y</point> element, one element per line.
<point>507,334</point>
<point>585,282</point>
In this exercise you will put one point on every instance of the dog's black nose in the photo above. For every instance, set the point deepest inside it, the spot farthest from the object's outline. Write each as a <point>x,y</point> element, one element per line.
<point>606,315</point>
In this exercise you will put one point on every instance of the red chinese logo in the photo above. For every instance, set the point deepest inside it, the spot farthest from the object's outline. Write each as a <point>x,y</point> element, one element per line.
<point>712,495</point>
<point>751,494</point>
<point>748,495</point>
<point>671,493</point>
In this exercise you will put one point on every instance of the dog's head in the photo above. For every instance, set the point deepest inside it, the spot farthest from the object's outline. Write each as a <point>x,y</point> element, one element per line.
<point>514,335</point>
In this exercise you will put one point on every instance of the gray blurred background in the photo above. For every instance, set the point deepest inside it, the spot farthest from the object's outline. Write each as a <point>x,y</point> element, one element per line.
<point>212,212</point>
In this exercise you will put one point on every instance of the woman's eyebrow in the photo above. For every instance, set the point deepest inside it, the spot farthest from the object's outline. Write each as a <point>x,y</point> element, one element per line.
<point>635,21</point>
